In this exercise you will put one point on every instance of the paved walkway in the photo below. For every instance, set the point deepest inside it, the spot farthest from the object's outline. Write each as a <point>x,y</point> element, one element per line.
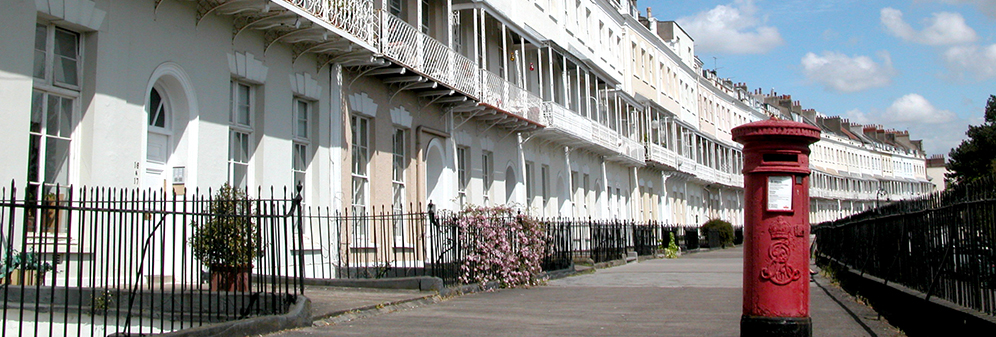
<point>695,295</point>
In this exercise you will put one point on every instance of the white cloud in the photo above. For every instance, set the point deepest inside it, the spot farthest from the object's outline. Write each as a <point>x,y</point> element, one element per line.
<point>856,116</point>
<point>913,108</point>
<point>841,73</point>
<point>731,29</point>
<point>939,129</point>
<point>942,29</point>
<point>972,61</point>
<point>987,7</point>
<point>938,138</point>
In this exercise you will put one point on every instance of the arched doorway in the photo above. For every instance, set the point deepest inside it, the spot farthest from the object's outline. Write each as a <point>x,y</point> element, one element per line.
<point>169,106</point>
<point>434,165</point>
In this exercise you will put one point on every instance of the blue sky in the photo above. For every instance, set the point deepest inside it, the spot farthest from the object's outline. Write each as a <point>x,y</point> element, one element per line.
<point>926,66</point>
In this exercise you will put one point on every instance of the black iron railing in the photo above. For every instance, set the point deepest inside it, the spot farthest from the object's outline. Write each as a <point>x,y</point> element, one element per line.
<point>99,261</point>
<point>400,244</point>
<point>941,245</point>
<point>91,261</point>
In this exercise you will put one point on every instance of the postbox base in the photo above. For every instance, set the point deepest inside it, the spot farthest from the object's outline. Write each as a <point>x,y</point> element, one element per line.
<point>776,326</point>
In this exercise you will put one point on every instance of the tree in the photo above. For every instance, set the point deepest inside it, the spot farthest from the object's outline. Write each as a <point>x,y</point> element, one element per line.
<point>975,157</point>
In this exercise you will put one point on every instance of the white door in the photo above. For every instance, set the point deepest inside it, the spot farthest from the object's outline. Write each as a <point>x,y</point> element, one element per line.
<point>158,146</point>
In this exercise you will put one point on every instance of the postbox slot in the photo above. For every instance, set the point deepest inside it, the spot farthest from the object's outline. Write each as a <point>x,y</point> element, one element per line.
<point>783,157</point>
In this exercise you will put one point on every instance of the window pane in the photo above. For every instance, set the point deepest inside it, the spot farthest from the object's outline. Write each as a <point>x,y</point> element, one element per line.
<point>399,197</point>
<point>37,110</point>
<point>66,118</point>
<point>41,42</point>
<point>398,164</point>
<point>41,38</point>
<point>231,102</point>
<point>39,69</point>
<point>231,146</point>
<point>359,191</point>
<point>239,175</point>
<point>52,117</point>
<point>65,44</point>
<point>34,148</point>
<point>363,133</point>
<point>156,113</point>
<point>65,71</point>
<point>239,152</point>
<point>398,169</point>
<point>57,161</point>
<point>244,147</point>
<point>300,157</point>
<point>243,105</point>
<point>302,119</point>
<point>359,162</point>
<point>299,179</point>
<point>66,55</point>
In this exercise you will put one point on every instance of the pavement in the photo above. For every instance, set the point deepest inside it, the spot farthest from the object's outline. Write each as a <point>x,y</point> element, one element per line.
<point>695,295</point>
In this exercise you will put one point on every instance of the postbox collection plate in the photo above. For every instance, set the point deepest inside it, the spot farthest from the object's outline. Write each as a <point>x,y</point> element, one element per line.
<point>780,193</point>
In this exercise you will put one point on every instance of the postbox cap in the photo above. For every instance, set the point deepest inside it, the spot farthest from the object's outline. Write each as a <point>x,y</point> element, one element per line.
<point>776,129</point>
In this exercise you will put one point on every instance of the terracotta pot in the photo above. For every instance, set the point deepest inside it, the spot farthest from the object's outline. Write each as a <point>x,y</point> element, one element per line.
<point>230,278</point>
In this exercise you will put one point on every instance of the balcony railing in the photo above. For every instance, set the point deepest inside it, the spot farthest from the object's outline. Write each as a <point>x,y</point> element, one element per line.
<point>566,121</point>
<point>604,136</point>
<point>506,96</point>
<point>356,17</point>
<point>407,45</point>
<point>662,155</point>
<point>633,149</point>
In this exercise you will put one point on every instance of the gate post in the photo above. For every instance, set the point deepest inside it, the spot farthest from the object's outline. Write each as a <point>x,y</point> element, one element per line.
<point>776,227</point>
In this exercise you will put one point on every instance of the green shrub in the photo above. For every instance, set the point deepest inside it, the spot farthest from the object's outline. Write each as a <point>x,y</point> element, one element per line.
<point>229,237</point>
<point>724,228</point>
<point>672,249</point>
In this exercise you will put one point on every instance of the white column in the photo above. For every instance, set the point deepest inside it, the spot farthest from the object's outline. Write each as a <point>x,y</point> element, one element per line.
<point>335,117</point>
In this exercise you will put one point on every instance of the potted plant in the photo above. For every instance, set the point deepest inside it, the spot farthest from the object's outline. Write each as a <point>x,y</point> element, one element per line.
<point>30,269</point>
<point>228,241</point>
<point>50,215</point>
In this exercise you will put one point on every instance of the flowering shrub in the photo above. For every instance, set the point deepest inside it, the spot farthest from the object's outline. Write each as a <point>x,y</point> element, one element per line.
<point>501,246</point>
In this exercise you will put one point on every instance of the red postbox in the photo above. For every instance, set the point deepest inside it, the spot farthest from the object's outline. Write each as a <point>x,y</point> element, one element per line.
<point>776,227</point>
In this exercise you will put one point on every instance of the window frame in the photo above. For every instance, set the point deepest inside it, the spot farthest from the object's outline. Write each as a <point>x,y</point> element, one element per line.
<point>361,136</point>
<point>46,92</point>
<point>301,143</point>
<point>240,134</point>
<point>233,103</point>
<point>463,172</point>
<point>487,174</point>
<point>530,185</point>
<point>399,187</point>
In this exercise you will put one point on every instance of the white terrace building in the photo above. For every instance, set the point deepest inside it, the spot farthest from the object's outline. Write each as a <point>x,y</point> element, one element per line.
<point>567,108</point>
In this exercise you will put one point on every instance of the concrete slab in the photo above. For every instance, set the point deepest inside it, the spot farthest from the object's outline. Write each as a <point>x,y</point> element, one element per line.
<point>330,301</point>
<point>695,295</point>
